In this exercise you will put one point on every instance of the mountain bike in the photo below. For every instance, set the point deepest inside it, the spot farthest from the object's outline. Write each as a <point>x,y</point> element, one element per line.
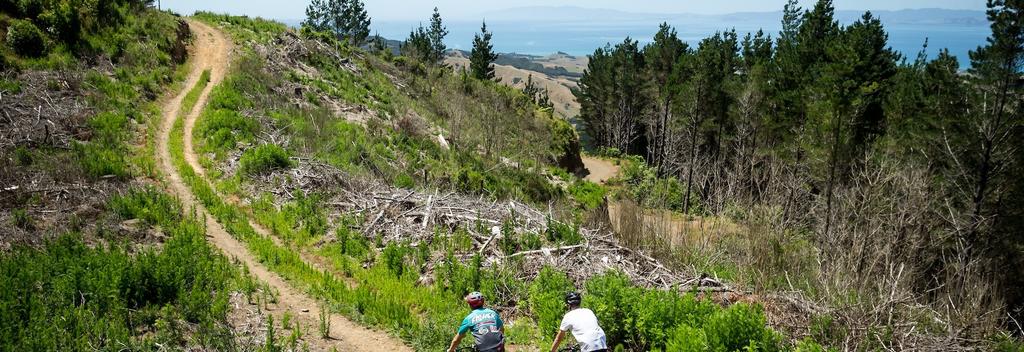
<point>570,348</point>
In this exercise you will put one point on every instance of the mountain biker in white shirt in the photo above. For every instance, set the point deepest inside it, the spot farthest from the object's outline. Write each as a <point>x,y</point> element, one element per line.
<point>583,324</point>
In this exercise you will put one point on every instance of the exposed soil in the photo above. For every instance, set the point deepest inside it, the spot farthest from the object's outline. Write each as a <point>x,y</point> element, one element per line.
<point>212,51</point>
<point>600,170</point>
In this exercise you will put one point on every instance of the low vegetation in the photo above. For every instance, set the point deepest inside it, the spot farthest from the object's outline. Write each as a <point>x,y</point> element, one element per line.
<point>263,159</point>
<point>95,259</point>
<point>68,295</point>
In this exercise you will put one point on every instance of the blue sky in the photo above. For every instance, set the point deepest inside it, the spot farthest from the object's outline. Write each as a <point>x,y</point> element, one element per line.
<point>472,9</point>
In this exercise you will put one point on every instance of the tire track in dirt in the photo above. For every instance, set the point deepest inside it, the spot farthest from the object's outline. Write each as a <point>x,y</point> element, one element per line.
<point>211,51</point>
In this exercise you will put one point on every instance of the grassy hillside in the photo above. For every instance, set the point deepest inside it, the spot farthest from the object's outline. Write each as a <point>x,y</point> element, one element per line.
<point>93,255</point>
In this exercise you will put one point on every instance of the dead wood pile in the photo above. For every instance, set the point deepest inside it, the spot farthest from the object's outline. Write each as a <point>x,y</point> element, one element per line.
<point>47,110</point>
<point>402,215</point>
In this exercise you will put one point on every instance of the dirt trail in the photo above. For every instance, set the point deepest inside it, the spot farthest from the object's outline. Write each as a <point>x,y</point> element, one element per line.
<point>601,170</point>
<point>212,52</point>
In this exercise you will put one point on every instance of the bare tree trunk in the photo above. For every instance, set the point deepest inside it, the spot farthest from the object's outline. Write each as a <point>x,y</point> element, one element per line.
<point>836,131</point>
<point>693,160</point>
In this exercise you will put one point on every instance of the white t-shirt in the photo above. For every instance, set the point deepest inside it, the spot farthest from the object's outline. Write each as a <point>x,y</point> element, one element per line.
<point>583,324</point>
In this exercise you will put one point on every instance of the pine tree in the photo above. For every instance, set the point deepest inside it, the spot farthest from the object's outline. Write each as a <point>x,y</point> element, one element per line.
<point>436,34</point>
<point>418,45</point>
<point>356,22</point>
<point>785,90</point>
<point>317,17</point>
<point>662,58</point>
<point>539,96</point>
<point>336,16</point>
<point>629,102</point>
<point>481,59</point>
<point>530,89</point>
<point>752,108</point>
<point>544,99</point>
<point>347,19</point>
<point>714,64</point>
<point>997,125</point>
<point>874,67</point>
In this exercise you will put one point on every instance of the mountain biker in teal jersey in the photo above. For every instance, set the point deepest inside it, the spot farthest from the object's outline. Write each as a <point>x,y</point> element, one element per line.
<point>583,324</point>
<point>485,324</point>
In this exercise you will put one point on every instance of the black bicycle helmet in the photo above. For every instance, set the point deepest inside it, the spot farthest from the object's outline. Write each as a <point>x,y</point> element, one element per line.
<point>573,299</point>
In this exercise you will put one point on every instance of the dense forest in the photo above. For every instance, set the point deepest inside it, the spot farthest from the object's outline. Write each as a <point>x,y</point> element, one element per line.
<point>903,172</point>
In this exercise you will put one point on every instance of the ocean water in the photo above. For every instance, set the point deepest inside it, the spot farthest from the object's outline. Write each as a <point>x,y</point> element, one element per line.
<point>583,37</point>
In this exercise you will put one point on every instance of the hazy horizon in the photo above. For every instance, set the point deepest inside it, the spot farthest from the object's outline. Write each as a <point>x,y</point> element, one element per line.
<point>578,29</point>
<point>392,10</point>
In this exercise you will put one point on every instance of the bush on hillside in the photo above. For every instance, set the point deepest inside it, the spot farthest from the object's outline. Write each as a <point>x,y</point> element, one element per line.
<point>147,204</point>
<point>223,129</point>
<point>62,20</point>
<point>643,319</point>
<point>740,327</point>
<point>563,233</point>
<point>547,299</point>
<point>26,39</point>
<point>264,158</point>
<point>588,194</point>
<point>685,338</point>
<point>647,188</point>
<point>30,8</point>
<point>100,161</point>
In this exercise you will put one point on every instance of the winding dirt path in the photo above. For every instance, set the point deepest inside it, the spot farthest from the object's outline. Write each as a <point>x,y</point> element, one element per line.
<point>211,51</point>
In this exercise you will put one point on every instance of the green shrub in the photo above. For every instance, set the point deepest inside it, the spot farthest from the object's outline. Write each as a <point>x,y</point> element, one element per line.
<point>9,86</point>
<point>223,129</point>
<point>109,129</point>
<point>99,161</point>
<point>547,299</point>
<point>648,189</point>
<point>587,194</point>
<point>458,279</point>
<point>226,97</point>
<point>147,204</point>
<point>264,158</point>
<point>22,219</point>
<point>808,345</point>
<point>26,39</point>
<point>394,259</point>
<point>22,156</point>
<point>403,180</point>
<point>638,318</point>
<point>30,8</point>
<point>62,19</point>
<point>739,327</point>
<point>530,241</point>
<point>559,232</point>
<point>687,339</point>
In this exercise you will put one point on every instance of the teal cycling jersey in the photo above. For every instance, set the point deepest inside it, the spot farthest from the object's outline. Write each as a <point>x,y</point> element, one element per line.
<point>485,324</point>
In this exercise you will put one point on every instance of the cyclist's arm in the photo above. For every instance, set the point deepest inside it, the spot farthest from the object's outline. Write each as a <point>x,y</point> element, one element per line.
<point>463,329</point>
<point>455,342</point>
<point>558,340</point>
